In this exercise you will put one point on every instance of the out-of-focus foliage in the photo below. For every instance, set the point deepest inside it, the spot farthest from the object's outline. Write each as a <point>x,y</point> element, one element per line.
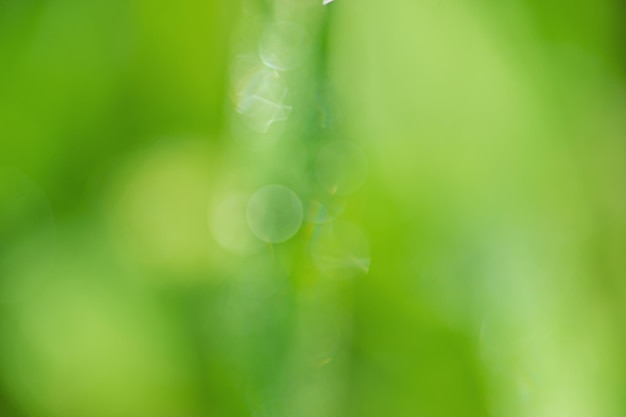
<point>277,208</point>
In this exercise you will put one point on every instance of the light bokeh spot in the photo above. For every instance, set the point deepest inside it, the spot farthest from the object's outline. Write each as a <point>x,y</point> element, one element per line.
<point>157,208</point>
<point>260,99</point>
<point>284,46</point>
<point>275,213</point>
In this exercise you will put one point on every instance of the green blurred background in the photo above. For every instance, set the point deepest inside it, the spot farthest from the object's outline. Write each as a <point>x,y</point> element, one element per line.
<point>272,208</point>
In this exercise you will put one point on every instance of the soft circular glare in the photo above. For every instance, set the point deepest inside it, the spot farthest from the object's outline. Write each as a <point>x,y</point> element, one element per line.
<point>284,46</point>
<point>274,213</point>
<point>341,168</point>
<point>84,320</point>
<point>341,250</point>
<point>157,210</point>
<point>229,228</point>
<point>260,99</point>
